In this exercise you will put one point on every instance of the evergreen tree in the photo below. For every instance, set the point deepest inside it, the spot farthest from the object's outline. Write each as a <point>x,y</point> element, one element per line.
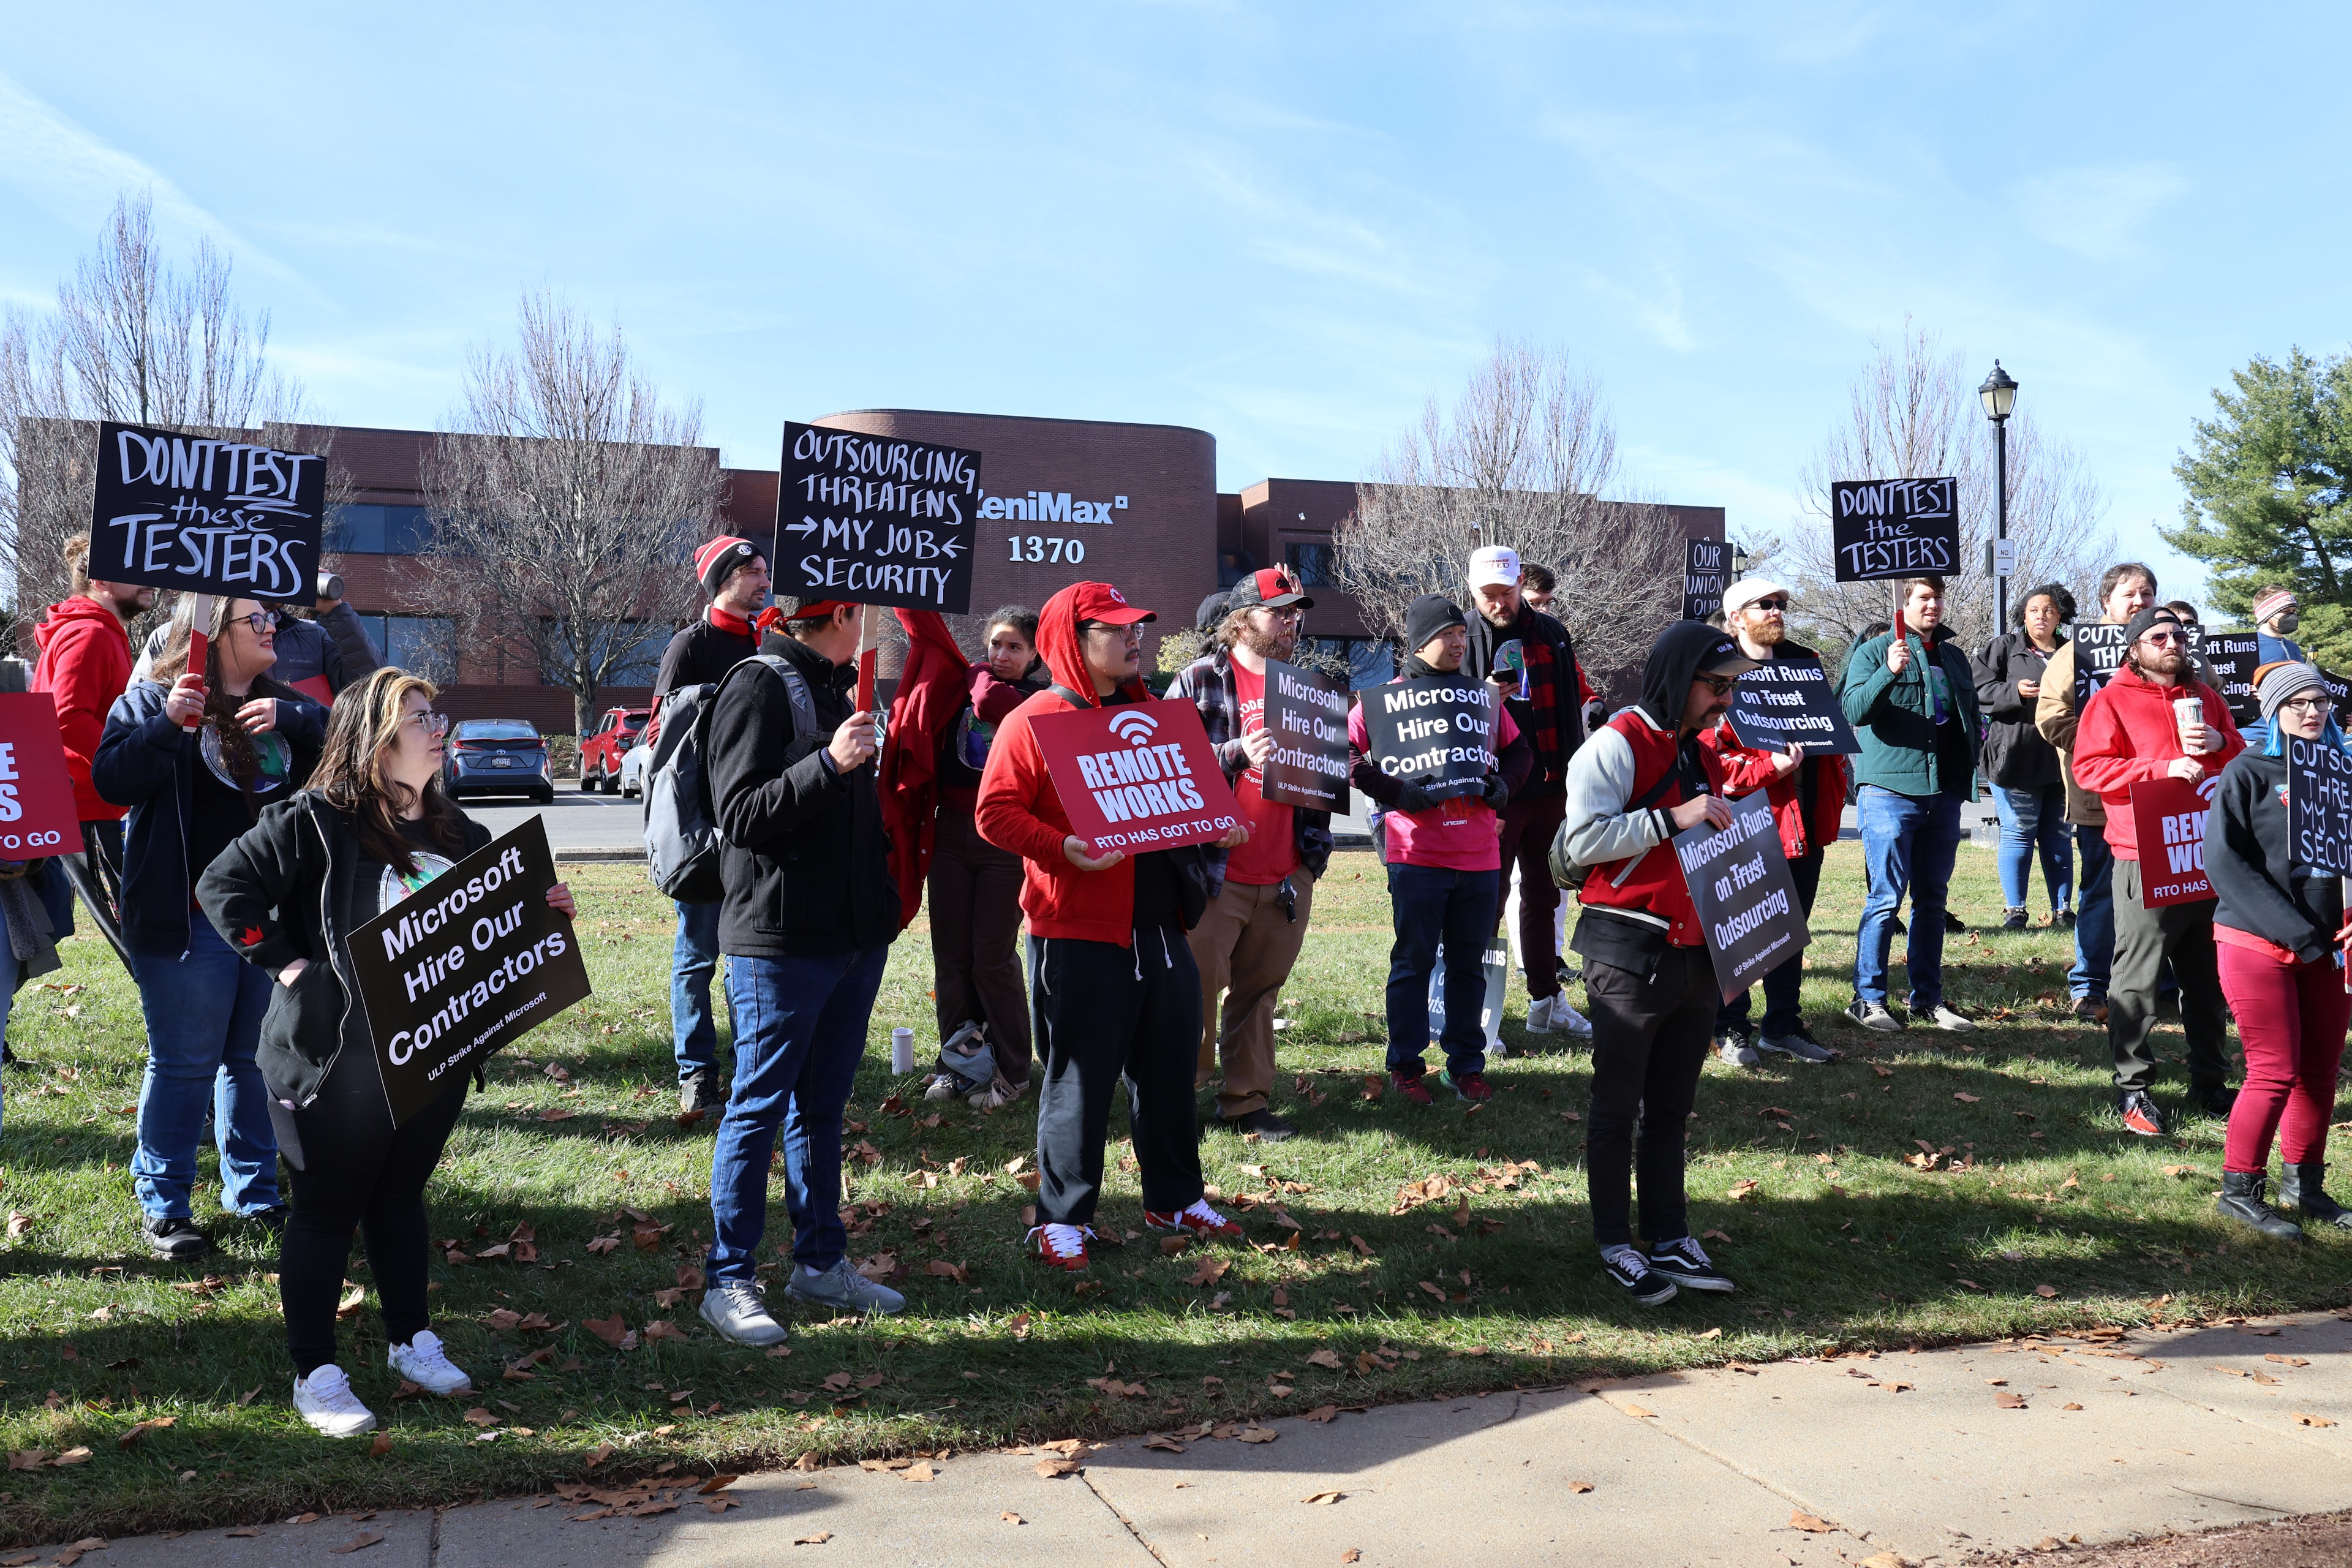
<point>2269,495</point>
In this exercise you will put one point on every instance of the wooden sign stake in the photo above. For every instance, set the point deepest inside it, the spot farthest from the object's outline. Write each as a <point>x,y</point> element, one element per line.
<point>869,632</point>
<point>206,606</point>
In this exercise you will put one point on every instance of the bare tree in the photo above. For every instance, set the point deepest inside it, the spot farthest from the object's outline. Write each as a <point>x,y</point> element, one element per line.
<point>133,339</point>
<point>1913,414</point>
<point>566,501</point>
<point>1520,460</point>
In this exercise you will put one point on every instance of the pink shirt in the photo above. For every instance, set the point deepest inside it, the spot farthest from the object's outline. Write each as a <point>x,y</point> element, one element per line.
<point>1458,835</point>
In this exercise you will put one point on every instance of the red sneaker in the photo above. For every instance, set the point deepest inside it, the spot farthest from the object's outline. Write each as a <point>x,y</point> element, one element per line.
<point>1471,1086</point>
<point>1412,1088</point>
<point>2141,1116</point>
<point>1060,1247</point>
<point>1200,1220</point>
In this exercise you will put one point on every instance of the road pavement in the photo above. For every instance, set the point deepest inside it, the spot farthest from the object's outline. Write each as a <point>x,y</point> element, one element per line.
<point>579,826</point>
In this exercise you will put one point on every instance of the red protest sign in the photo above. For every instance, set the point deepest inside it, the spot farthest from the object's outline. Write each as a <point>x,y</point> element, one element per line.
<point>2168,818</point>
<point>1137,777</point>
<point>36,799</point>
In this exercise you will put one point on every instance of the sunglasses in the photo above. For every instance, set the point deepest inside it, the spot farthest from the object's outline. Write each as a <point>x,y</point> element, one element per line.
<point>1720,685</point>
<point>1768,603</point>
<point>2163,639</point>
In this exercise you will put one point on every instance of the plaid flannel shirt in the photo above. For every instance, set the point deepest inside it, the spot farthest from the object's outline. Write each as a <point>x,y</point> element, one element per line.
<point>1208,684</point>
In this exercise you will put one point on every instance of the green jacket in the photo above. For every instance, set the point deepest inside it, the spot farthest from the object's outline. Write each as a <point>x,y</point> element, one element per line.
<point>1903,747</point>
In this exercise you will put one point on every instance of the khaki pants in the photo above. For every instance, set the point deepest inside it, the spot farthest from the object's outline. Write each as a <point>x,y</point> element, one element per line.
<point>1245,947</point>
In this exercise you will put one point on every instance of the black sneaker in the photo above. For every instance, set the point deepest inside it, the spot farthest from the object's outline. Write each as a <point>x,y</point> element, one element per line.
<point>1269,1127</point>
<point>2062,918</point>
<point>1685,1263</point>
<point>175,1239</point>
<point>2140,1114</point>
<point>271,1219</point>
<point>2013,919</point>
<point>2213,1099</point>
<point>1953,923</point>
<point>1632,1273</point>
<point>700,1091</point>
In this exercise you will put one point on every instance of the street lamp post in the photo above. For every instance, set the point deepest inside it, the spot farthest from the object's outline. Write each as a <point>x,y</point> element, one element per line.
<point>2000,395</point>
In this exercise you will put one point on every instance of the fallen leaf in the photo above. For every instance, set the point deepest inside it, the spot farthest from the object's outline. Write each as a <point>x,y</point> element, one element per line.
<point>1050,1469</point>
<point>1009,1517</point>
<point>2298,1417</point>
<point>918,1473</point>
<point>1164,1442</point>
<point>1211,1270</point>
<point>143,1429</point>
<point>1743,1188</point>
<point>1799,1519</point>
<point>1322,1413</point>
<point>1638,1411</point>
<point>715,1484</point>
<point>2009,1401</point>
<point>1325,1357</point>
<point>1966,1099</point>
<point>364,1539</point>
<point>2045,1291</point>
<point>1268,1434</point>
<point>819,1539</point>
<point>612,1329</point>
<point>2070,1405</point>
<point>82,1456</point>
<point>380,1447</point>
<point>1351,1554</point>
<point>1324,1498</point>
<point>1579,1486</point>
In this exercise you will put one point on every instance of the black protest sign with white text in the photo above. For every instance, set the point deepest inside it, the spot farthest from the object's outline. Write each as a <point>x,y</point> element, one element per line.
<point>1790,702</point>
<point>2232,658</point>
<point>2098,654</point>
<point>1706,564</point>
<point>1437,734</point>
<point>876,521</point>
<point>1895,527</point>
<point>466,965</point>
<point>1307,715</point>
<point>205,516</point>
<point>2319,806</point>
<point>1746,901</point>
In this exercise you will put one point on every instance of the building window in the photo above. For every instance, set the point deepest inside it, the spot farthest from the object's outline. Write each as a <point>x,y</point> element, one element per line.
<point>1310,563</point>
<point>372,529</point>
<point>637,666</point>
<point>421,645</point>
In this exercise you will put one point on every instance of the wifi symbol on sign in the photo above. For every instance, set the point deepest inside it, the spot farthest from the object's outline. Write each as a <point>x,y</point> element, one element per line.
<point>1133,727</point>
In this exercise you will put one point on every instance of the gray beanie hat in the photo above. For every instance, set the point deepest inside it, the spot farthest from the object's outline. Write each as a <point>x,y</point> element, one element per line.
<point>2284,681</point>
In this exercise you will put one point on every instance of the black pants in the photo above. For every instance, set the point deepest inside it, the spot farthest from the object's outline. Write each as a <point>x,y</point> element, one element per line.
<point>353,1170</point>
<point>1784,985</point>
<point>2145,939</point>
<point>1649,1039</point>
<point>975,891</point>
<point>1103,1011</point>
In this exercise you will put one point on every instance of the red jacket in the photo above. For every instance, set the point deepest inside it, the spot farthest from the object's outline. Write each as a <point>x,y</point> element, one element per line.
<point>1746,767</point>
<point>1633,869</point>
<point>2127,734</point>
<point>1019,811</point>
<point>928,697</point>
<point>85,664</point>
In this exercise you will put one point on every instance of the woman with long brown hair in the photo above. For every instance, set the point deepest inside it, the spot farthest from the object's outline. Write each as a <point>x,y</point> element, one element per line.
<point>374,826</point>
<point>196,755</point>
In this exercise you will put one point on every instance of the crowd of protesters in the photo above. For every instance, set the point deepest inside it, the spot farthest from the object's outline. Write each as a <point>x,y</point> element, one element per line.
<point>286,760</point>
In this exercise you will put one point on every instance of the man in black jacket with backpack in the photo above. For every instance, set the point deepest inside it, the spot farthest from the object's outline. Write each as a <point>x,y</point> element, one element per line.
<point>806,924</point>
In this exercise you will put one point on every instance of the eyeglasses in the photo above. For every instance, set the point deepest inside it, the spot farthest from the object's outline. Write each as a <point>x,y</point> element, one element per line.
<point>2306,704</point>
<point>260,621</point>
<point>1720,685</point>
<point>2163,639</point>
<point>1768,603</point>
<point>435,725</point>
<point>1130,633</point>
<point>1285,613</point>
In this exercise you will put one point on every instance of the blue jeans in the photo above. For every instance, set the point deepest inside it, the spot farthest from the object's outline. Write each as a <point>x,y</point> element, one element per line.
<point>1907,841</point>
<point>204,1019</point>
<point>2095,918</point>
<point>2031,817</point>
<point>1435,909</point>
<point>694,1039</point>
<point>801,1028</point>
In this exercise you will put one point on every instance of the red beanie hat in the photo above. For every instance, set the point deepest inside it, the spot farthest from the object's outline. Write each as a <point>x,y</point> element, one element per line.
<point>715,561</point>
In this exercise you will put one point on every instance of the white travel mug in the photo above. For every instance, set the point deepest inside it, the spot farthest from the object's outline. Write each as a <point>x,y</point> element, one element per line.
<point>902,1050</point>
<point>2186,711</point>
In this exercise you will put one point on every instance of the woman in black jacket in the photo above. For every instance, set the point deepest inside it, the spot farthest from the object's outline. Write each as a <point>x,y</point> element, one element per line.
<point>197,756</point>
<point>2278,931</point>
<point>373,828</point>
<point>2029,793</point>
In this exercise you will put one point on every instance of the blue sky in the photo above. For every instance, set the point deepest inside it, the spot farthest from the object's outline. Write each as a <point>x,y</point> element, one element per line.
<point>1286,224</point>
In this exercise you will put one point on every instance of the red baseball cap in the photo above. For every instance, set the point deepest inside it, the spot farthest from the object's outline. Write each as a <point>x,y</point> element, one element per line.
<point>1271,587</point>
<point>1101,602</point>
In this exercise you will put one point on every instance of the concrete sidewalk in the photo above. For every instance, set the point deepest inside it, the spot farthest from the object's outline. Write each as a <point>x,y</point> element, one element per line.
<point>1921,1456</point>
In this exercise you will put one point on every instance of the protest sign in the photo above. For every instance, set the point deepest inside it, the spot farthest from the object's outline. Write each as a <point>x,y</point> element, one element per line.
<point>205,516</point>
<point>1787,702</point>
<point>2168,817</point>
<point>465,965</point>
<point>1895,527</point>
<point>1495,973</point>
<point>2319,806</point>
<point>1706,567</point>
<point>1307,714</point>
<point>1747,901</point>
<point>2231,658</point>
<point>876,521</point>
<point>37,816</point>
<point>2098,654</point>
<point>2340,692</point>
<point>1432,732</point>
<point>1137,777</point>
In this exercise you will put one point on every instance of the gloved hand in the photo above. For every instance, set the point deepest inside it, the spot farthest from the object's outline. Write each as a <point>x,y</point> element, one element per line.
<point>1412,798</point>
<point>1495,792</point>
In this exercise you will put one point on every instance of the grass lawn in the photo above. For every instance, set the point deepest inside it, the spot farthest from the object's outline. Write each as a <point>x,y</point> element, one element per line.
<point>1929,1188</point>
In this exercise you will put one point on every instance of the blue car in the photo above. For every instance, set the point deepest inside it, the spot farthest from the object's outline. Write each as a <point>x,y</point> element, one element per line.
<point>497,756</point>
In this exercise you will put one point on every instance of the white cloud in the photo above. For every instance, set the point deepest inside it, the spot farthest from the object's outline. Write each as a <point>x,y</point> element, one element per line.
<point>2097,211</point>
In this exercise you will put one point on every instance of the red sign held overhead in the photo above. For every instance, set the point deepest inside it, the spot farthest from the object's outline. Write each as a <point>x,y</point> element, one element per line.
<point>36,799</point>
<point>1137,777</point>
<point>2168,816</point>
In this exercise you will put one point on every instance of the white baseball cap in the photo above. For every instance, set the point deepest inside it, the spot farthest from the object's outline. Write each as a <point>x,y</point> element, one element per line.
<point>1748,589</point>
<point>1494,565</point>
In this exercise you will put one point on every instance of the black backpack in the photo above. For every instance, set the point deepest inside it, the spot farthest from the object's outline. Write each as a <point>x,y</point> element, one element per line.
<point>682,836</point>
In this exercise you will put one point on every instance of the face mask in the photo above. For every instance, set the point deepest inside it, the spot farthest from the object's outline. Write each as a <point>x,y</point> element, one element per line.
<point>2287,624</point>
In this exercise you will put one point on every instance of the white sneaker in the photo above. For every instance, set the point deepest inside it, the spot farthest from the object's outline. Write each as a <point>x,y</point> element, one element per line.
<point>325,1400</point>
<point>423,1361</point>
<point>1567,1020</point>
<point>1539,1013</point>
<point>733,1308</point>
<point>941,1086</point>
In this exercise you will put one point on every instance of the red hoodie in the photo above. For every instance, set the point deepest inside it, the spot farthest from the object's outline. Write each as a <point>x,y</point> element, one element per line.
<point>85,664</point>
<point>1019,811</point>
<point>2127,734</point>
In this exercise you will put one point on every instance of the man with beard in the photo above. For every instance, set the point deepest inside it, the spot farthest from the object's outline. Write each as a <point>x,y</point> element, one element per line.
<point>1643,778</point>
<point>1808,796</point>
<point>85,664</point>
<point>1261,892</point>
<point>1528,657</point>
<point>2153,721</point>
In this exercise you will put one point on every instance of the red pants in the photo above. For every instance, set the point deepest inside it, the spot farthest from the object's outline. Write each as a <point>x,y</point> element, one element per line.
<point>2291,1019</point>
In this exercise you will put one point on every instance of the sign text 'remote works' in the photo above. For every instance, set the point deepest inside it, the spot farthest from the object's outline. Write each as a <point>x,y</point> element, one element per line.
<point>875,519</point>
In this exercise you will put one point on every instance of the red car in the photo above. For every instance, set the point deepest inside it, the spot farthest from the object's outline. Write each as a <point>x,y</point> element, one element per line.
<point>601,754</point>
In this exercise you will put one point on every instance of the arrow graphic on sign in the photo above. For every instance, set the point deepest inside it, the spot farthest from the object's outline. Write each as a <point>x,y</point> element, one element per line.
<point>805,525</point>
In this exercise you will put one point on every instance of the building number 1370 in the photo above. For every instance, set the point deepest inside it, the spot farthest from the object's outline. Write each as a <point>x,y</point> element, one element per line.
<point>1032,547</point>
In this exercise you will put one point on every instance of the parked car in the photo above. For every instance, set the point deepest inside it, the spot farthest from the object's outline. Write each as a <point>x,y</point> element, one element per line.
<point>600,752</point>
<point>497,756</point>
<point>633,769</point>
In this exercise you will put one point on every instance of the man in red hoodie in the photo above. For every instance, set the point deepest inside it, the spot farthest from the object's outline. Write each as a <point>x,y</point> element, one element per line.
<point>85,664</point>
<point>1113,987</point>
<point>2131,732</point>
